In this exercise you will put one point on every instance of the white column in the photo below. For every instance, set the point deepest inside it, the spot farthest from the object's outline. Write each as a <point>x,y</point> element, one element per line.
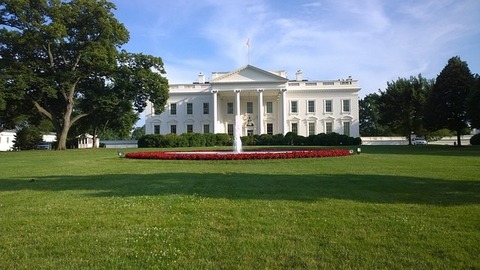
<point>215,114</point>
<point>260,111</point>
<point>238,117</point>
<point>284,111</point>
<point>237,101</point>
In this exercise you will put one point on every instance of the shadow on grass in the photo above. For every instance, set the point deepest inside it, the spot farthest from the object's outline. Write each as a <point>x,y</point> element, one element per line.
<point>362,188</point>
<point>433,150</point>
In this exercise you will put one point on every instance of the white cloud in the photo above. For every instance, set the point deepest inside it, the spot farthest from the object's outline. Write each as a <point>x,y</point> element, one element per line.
<point>374,41</point>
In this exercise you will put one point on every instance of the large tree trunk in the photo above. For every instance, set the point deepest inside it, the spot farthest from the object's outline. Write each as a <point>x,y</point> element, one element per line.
<point>94,145</point>
<point>62,134</point>
<point>62,139</point>
<point>459,141</point>
<point>62,126</point>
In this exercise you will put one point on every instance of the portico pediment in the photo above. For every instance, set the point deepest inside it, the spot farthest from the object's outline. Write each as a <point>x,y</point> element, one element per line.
<point>249,74</point>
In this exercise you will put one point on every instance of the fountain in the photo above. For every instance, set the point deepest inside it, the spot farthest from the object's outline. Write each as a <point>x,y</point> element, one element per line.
<point>237,140</point>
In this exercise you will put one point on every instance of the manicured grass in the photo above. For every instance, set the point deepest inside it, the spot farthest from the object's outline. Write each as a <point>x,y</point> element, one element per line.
<point>394,207</point>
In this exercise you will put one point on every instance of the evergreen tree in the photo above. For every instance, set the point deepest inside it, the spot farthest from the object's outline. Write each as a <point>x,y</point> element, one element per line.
<point>473,104</point>
<point>447,101</point>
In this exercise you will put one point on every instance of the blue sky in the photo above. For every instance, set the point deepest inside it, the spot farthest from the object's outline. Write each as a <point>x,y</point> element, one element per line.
<point>374,41</point>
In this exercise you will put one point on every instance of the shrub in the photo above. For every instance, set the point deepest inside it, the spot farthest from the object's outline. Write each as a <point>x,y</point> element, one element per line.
<point>194,139</point>
<point>264,139</point>
<point>475,140</point>
<point>151,140</point>
<point>210,139</point>
<point>223,139</point>
<point>294,139</point>
<point>248,140</point>
<point>439,134</point>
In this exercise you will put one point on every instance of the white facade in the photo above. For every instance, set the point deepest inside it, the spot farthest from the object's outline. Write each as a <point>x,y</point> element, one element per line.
<point>267,101</point>
<point>7,138</point>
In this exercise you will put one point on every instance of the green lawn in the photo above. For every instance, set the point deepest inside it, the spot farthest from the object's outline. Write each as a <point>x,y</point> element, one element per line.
<point>395,207</point>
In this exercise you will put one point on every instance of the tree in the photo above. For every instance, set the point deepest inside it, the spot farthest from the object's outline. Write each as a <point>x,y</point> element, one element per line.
<point>473,104</point>
<point>110,114</point>
<point>446,106</point>
<point>138,132</point>
<point>51,50</point>
<point>109,120</point>
<point>27,138</point>
<point>401,105</point>
<point>370,117</point>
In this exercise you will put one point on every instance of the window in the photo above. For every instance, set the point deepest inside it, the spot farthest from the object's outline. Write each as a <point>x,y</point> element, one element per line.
<point>173,108</point>
<point>346,128</point>
<point>346,105</point>
<point>294,128</point>
<point>293,107</point>
<point>328,106</point>
<point>230,129</point>
<point>230,107</point>
<point>206,108</point>
<point>206,128</point>
<point>270,128</point>
<point>328,127</point>
<point>173,129</point>
<point>249,107</point>
<point>189,108</point>
<point>311,106</point>
<point>189,128</point>
<point>269,107</point>
<point>249,132</point>
<point>156,129</point>
<point>311,128</point>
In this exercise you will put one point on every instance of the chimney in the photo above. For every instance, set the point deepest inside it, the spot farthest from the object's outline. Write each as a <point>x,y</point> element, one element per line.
<point>201,78</point>
<point>299,75</point>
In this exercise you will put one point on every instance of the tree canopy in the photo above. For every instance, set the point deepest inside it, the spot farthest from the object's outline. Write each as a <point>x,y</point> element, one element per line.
<point>402,103</point>
<point>473,104</point>
<point>369,114</point>
<point>58,56</point>
<point>447,102</point>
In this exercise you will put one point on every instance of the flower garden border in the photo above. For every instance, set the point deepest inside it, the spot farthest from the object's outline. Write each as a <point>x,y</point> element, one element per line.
<point>245,155</point>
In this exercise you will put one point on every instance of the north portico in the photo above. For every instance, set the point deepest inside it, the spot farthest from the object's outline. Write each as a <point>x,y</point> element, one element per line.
<point>267,102</point>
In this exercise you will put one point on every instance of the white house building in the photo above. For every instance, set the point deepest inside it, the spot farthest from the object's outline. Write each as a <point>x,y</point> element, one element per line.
<point>268,103</point>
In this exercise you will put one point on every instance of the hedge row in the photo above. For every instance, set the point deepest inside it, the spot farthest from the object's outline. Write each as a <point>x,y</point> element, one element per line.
<point>209,139</point>
<point>322,139</point>
<point>184,140</point>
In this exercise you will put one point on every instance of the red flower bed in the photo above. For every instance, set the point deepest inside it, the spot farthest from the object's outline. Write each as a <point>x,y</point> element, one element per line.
<point>205,155</point>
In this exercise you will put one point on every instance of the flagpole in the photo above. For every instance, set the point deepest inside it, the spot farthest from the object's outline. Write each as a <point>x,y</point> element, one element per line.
<point>248,51</point>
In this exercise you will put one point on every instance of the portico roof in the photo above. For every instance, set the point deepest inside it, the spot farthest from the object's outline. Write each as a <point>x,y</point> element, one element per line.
<point>249,74</point>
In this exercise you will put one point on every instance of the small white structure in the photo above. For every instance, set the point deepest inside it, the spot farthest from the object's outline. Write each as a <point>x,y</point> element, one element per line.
<point>267,102</point>
<point>6,140</point>
<point>86,141</point>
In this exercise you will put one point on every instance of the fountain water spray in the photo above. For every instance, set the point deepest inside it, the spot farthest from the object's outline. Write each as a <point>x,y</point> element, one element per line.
<point>237,141</point>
